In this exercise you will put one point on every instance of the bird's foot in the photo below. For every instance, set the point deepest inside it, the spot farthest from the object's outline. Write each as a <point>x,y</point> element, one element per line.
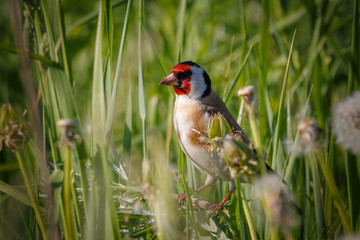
<point>182,197</point>
<point>217,206</point>
<point>214,209</point>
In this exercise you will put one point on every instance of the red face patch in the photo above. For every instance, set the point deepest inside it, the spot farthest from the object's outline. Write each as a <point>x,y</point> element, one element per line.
<point>185,85</point>
<point>184,89</point>
<point>181,68</point>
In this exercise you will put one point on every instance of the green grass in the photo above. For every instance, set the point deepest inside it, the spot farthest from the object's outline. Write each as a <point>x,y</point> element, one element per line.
<point>99,63</point>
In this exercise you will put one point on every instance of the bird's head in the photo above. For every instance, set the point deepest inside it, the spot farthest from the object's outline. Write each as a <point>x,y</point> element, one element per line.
<point>188,78</point>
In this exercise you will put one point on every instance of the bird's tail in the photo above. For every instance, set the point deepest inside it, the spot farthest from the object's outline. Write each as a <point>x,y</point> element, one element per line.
<point>296,208</point>
<point>291,203</point>
<point>283,195</point>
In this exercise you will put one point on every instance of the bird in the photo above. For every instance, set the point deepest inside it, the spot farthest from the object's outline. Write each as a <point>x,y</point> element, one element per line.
<point>195,104</point>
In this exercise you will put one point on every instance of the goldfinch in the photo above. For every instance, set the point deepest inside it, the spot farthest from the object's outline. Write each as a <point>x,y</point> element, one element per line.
<point>195,103</point>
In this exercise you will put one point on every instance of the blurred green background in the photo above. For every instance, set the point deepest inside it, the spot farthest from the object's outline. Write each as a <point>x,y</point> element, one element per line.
<point>323,70</point>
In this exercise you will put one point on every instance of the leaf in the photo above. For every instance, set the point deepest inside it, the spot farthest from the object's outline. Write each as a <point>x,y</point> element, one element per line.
<point>17,194</point>
<point>232,88</point>
<point>112,103</point>
<point>281,106</point>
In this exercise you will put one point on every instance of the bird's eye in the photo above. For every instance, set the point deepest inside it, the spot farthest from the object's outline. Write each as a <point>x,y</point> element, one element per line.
<point>184,75</point>
<point>187,74</point>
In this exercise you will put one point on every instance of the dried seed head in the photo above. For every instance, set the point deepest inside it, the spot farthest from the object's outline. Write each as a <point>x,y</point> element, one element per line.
<point>210,145</point>
<point>66,123</point>
<point>240,157</point>
<point>12,128</point>
<point>44,49</point>
<point>309,138</point>
<point>248,95</point>
<point>309,134</point>
<point>29,33</point>
<point>247,90</point>
<point>346,123</point>
<point>309,129</point>
<point>67,132</point>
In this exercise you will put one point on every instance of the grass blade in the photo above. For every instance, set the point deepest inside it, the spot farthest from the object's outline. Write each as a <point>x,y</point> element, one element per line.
<point>17,194</point>
<point>354,75</point>
<point>232,88</point>
<point>32,55</point>
<point>319,214</point>
<point>70,222</point>
<point>352,162</point>
<point>335,193</point>
<point>111,105</point>
<point>98,98</point>
<point>142,107</point>
<point>281,107</point>
<point>91,17</point>
<point>128,131</point>
<point>34,203</point>
<point>180,30</point>
<point>65,57</point>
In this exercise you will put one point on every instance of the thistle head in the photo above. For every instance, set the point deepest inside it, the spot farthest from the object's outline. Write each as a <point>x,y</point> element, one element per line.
<point>240,157</point>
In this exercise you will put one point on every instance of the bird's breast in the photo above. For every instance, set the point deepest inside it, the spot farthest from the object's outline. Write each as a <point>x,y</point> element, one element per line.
<point>191,122</point>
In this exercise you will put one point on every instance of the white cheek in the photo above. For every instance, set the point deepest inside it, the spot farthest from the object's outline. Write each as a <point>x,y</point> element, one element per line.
<point>198,85</point>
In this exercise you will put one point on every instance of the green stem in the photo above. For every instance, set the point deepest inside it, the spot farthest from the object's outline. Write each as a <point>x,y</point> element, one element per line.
<point>69,216</point>
<point>189,205</point>
<point>67,66</point>
<point>308,226</point>
<point>255,130</point>
<point>274,234</point>
<point>281,106</point>
<point>241,223</point>
<point>328,205</point>
<point>110,205</point>
<point>248,216</point>
<point>335,192</point>
<point>76,205</point>
<point>32,197</point>
<point>321,233</point>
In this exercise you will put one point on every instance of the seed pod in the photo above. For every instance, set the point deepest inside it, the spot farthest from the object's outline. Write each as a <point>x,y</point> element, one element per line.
<point>12,128</point>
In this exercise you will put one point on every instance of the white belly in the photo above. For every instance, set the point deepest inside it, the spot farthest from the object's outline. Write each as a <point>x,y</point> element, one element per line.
<point>191,121</point>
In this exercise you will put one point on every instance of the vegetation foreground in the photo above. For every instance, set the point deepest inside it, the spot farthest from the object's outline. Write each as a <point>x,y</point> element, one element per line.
<point>88,149</point>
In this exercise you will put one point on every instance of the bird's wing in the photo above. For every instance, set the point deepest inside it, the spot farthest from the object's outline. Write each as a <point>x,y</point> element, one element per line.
<point>214,105</point>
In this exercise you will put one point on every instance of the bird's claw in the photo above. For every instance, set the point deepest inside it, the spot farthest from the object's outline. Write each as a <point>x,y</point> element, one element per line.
<point>215,207</point>
<point>181,197</point>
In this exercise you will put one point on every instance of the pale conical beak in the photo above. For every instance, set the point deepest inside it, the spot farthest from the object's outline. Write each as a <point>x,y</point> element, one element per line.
<point>170,80</point>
